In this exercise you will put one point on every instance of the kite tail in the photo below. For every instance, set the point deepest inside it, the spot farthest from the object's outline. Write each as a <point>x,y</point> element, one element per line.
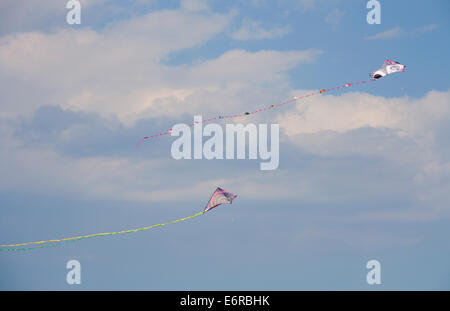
<point>77,238</point>
<point>271,107</point>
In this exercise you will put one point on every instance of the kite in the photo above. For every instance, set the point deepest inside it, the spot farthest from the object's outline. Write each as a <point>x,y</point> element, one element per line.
<point>219,197</point>
<point>387,68</point>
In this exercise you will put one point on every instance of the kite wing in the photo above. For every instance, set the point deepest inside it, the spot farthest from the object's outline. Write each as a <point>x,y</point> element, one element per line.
<point>219,196</point>
<point>388,67</point>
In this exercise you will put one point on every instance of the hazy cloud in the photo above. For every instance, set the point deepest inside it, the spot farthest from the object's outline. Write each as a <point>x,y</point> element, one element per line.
<point>252,30</point>
<point>397,32</point>
<point>388,34</point>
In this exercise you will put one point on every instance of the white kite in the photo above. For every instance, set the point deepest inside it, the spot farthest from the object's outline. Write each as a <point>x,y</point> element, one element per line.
<point>388,67</point>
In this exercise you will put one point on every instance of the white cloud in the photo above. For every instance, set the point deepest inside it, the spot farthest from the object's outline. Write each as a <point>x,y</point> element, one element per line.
<point>42,170</point>
<point>307,4</point>
<point>25,15</point>
<point>106,68</point>
<point>194,5</point>
<point>118,70</point>
<point>335,17</point>
<point>252,30</point>
<point>397,32</point>
<point>425,29</point>
<point>406,128</point>
<point>341,113</point>
<point>352,111</point>
<point>257,2</point>
<point>388,34</point>
<point>241,66</point>
<point>401,131</point>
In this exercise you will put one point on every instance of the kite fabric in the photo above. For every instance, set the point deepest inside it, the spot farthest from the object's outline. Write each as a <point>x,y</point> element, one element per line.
<point>217,197</point>
<point>387,68</point>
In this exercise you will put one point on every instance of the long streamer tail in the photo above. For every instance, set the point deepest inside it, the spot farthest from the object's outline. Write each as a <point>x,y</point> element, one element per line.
<point>77,238</point>
<point>271,107</point>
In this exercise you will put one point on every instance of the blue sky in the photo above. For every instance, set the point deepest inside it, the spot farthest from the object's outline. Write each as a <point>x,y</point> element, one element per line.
<point>364,172</point>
